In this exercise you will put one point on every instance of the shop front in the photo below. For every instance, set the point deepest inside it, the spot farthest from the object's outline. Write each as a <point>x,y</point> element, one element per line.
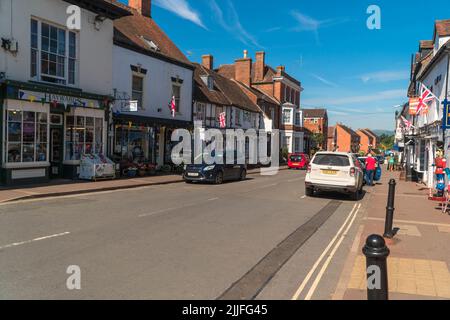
<point>142,144</point>
<point>46,130</point>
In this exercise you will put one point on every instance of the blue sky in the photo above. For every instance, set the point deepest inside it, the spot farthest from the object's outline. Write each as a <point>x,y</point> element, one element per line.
<point>358,74</point>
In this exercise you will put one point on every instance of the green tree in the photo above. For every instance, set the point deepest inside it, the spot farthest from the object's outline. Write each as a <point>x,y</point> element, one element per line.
<point>387,141</point>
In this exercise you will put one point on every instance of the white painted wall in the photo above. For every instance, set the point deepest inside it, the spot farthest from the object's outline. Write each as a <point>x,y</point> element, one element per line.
<point>436,109</point>
<point>157,83</point>
<point>95,47</point>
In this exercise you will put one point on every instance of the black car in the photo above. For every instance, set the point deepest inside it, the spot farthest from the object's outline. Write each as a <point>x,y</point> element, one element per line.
<point>216,173</point>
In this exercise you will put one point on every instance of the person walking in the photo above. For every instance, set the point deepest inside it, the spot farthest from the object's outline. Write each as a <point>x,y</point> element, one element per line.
<point>391,163</point>
<point>371,166</point>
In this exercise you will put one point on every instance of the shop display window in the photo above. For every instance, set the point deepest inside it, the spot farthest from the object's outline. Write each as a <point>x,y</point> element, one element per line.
<point>134,143</point>
<point>84,135</point>
<point>27,136</point>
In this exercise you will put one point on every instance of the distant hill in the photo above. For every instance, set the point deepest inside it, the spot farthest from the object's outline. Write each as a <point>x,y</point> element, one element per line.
<point>381,132</point>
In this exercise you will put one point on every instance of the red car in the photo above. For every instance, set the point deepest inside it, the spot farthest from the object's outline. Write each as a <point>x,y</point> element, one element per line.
<point>298,161</point>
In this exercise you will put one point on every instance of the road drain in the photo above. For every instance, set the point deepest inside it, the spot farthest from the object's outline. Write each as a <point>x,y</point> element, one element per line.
<point>254,281</point>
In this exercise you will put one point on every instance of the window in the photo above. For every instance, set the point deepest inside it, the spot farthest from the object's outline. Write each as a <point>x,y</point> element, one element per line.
<point>176,91</point>
<point>137,91</point>
<point>84,135</point>
<point>200,112</point>
<point>332,160</point>
<point>287,116</point>
<point>238,117</point>
<point>287,142</point>
<point>297,145</point>
<point>27,136</point>
<point>297,119</point>
<point>53,54</point>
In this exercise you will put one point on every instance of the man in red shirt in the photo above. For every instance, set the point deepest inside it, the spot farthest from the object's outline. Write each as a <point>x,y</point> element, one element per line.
<point>371,167</point>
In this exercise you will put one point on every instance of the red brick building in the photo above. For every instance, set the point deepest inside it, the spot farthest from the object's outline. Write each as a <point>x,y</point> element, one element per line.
<point>366,141</point>
<point>316,121</point>
<point>376,139</point>
<point>279,85</point>
<point>346,139</point>
<point>331,139</point>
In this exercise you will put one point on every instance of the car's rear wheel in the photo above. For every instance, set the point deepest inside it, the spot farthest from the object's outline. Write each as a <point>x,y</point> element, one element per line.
<point>243,175</point>
<point>309,192</point>
<point>219,178</point>
<point>355,196</point>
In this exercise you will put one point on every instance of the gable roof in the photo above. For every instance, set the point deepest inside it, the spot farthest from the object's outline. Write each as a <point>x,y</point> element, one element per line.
<point>135,31</point>
<point>314,113</point>
<point>347,129</point>
<point>370,132</point>
<point>226,92</point>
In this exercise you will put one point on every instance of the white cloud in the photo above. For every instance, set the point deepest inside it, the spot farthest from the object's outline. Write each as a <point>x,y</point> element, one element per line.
<point>310,24</point>
<point>182,9</point>
<point>379,96</point>
<point>324,81</point>
<point>385,76</point>
<point>229,20</point>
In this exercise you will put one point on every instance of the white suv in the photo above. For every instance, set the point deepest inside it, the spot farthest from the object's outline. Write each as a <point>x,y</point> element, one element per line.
<point>335,171</point>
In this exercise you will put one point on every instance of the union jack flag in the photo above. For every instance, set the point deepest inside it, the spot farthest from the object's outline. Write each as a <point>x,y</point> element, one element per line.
<point>223,120</point>
<point>173,107</point>
<point>426,96</point>
<point>408,124</point>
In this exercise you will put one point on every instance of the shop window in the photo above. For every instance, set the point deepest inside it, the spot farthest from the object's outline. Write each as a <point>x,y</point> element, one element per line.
<point>200,112</point>
<point>53,53</point>
<point>27,139</point>
<point>134,143</point>
<point>138,91</point>
<point>84,135</point>
<point>176,91</point>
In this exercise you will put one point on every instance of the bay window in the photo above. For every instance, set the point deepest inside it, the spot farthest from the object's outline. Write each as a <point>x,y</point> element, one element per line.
<point>53,54</point>
<point>287,116</point>
<point>27,136</point>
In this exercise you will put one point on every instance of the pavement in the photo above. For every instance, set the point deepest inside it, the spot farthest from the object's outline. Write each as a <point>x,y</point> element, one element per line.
<point>418,266</point>
<point>63,187</point>
<point>256,239</point>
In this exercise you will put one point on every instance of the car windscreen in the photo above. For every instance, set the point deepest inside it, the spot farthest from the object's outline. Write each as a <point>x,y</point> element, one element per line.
<point>332,160</point>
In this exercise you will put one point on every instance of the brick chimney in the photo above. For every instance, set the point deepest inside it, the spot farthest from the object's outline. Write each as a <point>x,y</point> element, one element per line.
<point>260,65</point>
<point>208,61</point>
<point>144,7</point>
<point>243,69</point>
<point>280,70</point>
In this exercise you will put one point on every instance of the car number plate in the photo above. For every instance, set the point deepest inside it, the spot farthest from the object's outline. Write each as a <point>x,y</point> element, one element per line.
<point>330,172</point>
<point>193,174</point>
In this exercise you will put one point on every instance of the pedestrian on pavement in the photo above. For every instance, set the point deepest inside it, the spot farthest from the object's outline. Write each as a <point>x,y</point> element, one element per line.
<point>371,164</point>
<point>391,162</point>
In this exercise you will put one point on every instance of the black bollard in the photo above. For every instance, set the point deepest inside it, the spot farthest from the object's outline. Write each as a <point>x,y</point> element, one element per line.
<point>389,225</point>
<point>376,253</point>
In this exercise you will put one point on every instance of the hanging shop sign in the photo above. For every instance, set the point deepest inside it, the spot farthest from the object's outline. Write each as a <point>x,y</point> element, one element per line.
<point>446,120</point>
<point>413,104</point>
<point>58,99</point>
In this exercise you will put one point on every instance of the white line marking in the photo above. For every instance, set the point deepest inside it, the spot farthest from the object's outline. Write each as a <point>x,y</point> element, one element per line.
<point>330,257</point>
<point>431,224</point>
<point>34,240</point>
<point>317,263</point>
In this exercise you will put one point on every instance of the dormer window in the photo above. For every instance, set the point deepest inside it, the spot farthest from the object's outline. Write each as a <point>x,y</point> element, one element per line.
<point>208,81</point>
<point>153,46</point>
